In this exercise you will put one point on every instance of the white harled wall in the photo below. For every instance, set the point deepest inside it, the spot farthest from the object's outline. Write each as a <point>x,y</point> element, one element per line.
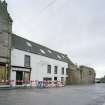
<point>38,65</point>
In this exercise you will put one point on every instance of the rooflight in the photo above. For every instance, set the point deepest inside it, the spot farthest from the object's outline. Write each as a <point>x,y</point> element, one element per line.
<point>63,56</point>
<point>59,56</point>
<point>49,51</point>
<point>42,51</point>
<point>29,44</point>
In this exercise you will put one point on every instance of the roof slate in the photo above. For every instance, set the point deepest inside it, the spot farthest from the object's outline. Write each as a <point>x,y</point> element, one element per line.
<point>21,44</point>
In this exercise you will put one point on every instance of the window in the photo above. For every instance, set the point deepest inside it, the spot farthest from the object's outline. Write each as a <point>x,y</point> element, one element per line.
<point>81,74</point>
<point>3,74</point>
<point>59,57</point>
<point>63,56</point>
<point>27,61</point>
<point>62,70</point>
<point>49,51</point>
<point>26,77</point>
<point>42,51</point>
<point>29,44</point>
<point>89,72</point>
<point>67,71</point>
<point>62,79</point>
<point>55,69</point>
<point>49,69</point>
<point>47,79</point>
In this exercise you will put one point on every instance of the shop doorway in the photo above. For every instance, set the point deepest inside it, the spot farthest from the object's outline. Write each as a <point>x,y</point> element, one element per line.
<point>19,77</point>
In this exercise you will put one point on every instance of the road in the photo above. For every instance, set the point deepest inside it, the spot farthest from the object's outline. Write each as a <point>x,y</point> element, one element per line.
<point>70,95</point>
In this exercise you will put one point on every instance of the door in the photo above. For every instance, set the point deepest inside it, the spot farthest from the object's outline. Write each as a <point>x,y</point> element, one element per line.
<point>55,78</point>
<point>19,77</point>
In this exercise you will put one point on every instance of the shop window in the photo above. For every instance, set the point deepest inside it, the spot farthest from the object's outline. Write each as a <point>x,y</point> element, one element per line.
<point>3,73</point>
<point>22,76</point>
<point>26,77</point>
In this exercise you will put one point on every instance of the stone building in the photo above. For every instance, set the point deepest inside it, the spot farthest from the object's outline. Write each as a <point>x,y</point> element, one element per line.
<point>73,75</point>
<point>87,75</point>
<point>80,75</point>
<point>5,42</point>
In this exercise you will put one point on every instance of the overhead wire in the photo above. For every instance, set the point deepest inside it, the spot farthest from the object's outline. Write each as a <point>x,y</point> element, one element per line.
<point>48,5</point>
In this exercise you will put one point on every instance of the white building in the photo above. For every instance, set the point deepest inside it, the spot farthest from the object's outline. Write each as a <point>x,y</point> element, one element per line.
<point>27,60</point>
<point>31,61</point>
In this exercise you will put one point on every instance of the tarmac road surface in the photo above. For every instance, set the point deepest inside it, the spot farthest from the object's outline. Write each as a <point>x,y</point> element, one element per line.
<point>70,95</point>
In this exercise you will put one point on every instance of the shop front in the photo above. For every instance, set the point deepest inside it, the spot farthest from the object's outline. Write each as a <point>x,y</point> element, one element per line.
<point>20,76</point>
<point>4,74</point>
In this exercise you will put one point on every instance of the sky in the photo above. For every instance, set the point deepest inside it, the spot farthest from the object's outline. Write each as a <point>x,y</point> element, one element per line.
<point>73,27</point>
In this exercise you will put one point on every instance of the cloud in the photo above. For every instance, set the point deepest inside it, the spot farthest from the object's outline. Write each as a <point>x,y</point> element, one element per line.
<point>75,27</point>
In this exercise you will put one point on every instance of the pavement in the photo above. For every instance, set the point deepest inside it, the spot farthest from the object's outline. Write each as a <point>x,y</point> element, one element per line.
<point>69,95</point>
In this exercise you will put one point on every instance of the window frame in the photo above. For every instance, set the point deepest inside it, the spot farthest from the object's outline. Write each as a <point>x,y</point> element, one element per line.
<point>55,69</point>
<point>29,62</point>
<point>67,71</point>
<point>63,71</point>
<point>62,79</point>
<point>90,72</point>
<point>49,69</point>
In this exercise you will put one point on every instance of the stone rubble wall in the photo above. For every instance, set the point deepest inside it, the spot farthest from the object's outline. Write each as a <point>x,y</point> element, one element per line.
<point>81,75</point>
<point>5,33</point>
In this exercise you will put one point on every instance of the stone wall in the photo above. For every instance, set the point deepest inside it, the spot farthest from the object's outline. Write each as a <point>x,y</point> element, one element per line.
<point>5,44</point>
<point>5,33</point>
<point>73,75</point>
<point>87,75</point>
<point>5,19</point>
<point>80,75</point>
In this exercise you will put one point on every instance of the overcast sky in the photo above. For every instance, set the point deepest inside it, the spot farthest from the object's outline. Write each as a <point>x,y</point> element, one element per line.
<point>74,27</point>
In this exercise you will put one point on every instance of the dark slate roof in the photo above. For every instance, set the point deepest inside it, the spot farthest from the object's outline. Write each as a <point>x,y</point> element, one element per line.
<point>29,46</point>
